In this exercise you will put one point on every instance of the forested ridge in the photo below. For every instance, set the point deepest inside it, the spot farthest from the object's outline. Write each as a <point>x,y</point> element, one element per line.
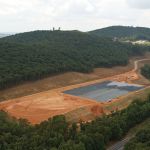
<point>34,55</point>
<point>58,134</point>
<point>145,71</point>
<point>124,32</point>
<point>141,141</point>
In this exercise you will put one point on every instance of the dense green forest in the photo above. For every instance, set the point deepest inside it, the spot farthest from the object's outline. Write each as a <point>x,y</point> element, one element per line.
<point>124,32</point>
<point>145,71</point>
<point>34,55</point>
<point>141,141</point>
<point>58,134</point>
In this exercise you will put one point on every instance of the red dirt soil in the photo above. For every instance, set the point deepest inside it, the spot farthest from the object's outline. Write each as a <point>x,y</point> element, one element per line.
<point>41,106</point>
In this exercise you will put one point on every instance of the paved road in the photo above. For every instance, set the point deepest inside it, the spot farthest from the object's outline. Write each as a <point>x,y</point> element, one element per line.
<point>120,144</point>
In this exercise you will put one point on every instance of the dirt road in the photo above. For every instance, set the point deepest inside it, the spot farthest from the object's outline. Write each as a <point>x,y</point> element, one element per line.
<point>120,144</point>
<point>137,62</point>
<point>41,106</point>
<point>62,80</point>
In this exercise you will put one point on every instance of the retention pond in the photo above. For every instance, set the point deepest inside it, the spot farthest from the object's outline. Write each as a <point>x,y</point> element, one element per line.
<point>104,91</point>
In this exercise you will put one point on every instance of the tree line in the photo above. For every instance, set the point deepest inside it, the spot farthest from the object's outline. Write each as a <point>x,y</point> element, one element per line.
<point>141,141</point>
<point>124,32</point>
<point>145,71</point>
<point>34,55</point>
<point>58,134</point>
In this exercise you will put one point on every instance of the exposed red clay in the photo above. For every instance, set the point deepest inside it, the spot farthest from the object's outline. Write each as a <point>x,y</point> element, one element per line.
<point>41,106</point>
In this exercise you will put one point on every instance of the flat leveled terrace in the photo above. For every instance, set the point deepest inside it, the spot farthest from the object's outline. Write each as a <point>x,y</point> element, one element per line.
<point>105,91</point>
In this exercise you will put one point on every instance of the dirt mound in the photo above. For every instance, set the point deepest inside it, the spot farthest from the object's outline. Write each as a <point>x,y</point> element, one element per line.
<point>85,113</point>
<point>97,110</point>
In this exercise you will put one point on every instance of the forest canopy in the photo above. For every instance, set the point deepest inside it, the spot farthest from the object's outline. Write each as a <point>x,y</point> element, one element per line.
<point>58,134</point>
<point>145,71</point>
<point>124,32</point>
<point>34,55</point>
<point>141,141</point>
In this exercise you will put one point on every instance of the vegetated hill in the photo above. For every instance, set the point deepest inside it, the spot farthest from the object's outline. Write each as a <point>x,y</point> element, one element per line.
<point>141,140</point>
<point>58,134</point>
<point>124,32</point>
<point>145,71</point>
<point>33,55</point>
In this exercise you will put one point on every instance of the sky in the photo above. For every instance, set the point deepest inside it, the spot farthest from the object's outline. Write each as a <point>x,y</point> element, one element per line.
<point>83,15</point>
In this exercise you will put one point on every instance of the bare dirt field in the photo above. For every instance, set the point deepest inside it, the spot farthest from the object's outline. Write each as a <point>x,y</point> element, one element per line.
<point>39,107</point>
<point>43,105</point>
<point>61,80</point>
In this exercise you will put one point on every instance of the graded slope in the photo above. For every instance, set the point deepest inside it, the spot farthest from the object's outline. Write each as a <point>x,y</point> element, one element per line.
<point>39,107</point>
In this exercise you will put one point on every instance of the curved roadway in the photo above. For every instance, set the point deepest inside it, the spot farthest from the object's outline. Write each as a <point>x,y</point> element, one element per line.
<point>136,63</point>
<point>120,144</point>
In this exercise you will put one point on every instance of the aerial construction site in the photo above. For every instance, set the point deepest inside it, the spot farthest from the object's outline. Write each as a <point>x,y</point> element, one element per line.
<point>83,101</point>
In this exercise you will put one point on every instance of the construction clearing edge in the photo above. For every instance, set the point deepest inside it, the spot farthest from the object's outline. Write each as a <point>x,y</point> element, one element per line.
<point>105,91</point>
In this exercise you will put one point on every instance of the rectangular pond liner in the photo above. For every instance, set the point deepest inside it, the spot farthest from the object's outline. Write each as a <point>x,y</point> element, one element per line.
<point>104,91</point>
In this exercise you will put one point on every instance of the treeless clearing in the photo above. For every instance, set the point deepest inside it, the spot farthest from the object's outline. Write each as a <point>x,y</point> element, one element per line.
<point>61,81</point>
<point>41,106</point>
<point>64,80</point>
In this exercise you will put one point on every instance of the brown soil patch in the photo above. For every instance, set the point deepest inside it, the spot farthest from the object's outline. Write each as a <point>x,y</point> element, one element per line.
<point>41,106</point>
<point>65,79</point>
<point>61,80</point>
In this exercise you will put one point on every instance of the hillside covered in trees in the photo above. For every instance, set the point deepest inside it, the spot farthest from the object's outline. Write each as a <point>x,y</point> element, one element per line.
<point>141,141</point>
<point>58,134</point>
<point>124,32</point>
<point>34,55</point>
<point>145,71</point>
